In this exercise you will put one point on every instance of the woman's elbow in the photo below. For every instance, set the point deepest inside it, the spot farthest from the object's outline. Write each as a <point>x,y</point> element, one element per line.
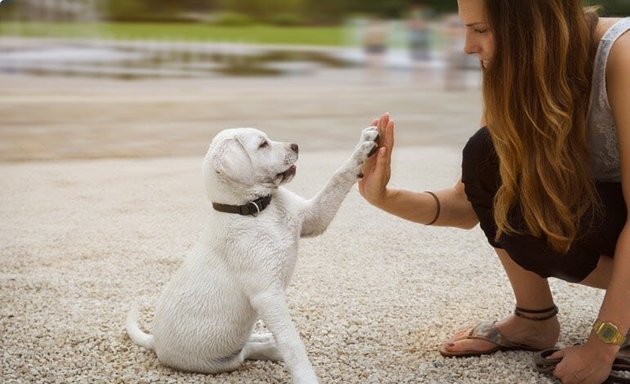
<point>461,213</point>
<point>469,223</point>
<point>467,220</point>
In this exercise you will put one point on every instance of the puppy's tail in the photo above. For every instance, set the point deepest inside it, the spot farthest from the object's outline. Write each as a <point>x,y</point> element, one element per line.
<point>135,333</point>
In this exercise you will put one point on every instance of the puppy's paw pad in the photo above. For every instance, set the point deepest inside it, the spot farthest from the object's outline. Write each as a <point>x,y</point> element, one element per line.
<point>368,142</point>
<point>373,150</point>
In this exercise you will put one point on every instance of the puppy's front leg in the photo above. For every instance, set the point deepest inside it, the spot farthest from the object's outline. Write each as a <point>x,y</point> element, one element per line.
<point>321,209</point>
<point>272,308</point>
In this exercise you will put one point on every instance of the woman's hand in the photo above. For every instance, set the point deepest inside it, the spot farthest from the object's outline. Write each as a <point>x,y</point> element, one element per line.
<point>377,169</point>
<point>584,364</point>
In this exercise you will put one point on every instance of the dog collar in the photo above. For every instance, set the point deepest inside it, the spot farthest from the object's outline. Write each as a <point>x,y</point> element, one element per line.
<point>253,208</point>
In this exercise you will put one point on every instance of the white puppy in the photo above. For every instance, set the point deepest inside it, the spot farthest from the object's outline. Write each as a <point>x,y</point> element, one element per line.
<point>243,263</point>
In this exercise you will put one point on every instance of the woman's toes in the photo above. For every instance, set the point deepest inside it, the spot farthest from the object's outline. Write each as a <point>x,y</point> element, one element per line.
<point>468,345</point>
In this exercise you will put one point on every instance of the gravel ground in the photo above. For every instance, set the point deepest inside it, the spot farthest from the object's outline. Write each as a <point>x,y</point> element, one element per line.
<point>101,198</point>
<point>372,298</point>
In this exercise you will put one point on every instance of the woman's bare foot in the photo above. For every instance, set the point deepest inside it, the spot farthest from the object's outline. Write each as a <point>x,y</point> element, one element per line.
<point>535,334</point>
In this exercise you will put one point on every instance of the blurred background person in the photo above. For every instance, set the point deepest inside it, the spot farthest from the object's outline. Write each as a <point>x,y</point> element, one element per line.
<point>419,32</point>
<point>419,28</point>
<point>375,45</point>
<point>454,56</point>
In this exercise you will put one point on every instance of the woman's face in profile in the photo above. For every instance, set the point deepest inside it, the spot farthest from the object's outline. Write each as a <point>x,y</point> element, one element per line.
<point>479,37</point>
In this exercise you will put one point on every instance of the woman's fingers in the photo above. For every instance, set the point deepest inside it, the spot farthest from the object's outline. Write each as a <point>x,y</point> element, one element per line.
<point>390,135</point>
<point>381,162</point>
<point>382,121</point>
<point>559,354</point>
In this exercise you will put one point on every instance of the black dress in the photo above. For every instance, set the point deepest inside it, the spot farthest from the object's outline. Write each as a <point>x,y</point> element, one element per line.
<point>598,236</point>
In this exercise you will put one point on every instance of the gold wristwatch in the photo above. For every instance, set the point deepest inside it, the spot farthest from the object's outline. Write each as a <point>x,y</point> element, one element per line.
<point>608,332</point>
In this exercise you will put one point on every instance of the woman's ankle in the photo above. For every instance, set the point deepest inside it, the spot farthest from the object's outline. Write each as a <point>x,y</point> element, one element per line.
<point>536,314</point>
<point>537,333</point>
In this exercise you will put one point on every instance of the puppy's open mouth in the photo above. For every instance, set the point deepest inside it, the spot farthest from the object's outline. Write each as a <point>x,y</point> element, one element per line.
<point>289,173</point>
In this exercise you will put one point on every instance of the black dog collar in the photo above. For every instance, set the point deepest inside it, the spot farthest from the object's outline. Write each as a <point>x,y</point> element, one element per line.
<point>253,208</point>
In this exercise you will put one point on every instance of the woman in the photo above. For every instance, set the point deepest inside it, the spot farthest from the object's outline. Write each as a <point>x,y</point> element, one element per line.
<point>547,178</point>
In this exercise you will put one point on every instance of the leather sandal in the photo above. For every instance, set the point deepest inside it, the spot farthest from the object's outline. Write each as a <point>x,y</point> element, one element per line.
<point>488,331</point>
<point>621,364</point>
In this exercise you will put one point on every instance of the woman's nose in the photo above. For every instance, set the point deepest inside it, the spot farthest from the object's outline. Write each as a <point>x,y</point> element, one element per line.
<point>470,46</point>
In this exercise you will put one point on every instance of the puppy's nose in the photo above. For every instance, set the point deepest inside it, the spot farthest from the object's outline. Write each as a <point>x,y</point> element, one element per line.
<point>294,148</point>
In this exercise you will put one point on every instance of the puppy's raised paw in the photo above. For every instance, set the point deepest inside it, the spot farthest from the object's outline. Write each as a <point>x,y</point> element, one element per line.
<point>366,147</point>
<point>368,144</point>
<point>369,134</point>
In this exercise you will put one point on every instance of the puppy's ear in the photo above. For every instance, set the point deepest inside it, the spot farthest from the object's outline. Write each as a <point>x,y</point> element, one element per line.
<point>232,161</point>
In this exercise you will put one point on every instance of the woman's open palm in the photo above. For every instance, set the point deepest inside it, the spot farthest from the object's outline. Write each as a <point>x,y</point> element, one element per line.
<point>377,169</point>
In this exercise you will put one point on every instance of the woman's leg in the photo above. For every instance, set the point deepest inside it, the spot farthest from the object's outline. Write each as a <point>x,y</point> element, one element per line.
<point>600,277</point>
<point>480,174</point>
<point>531,292</point>
<point>520,254</point>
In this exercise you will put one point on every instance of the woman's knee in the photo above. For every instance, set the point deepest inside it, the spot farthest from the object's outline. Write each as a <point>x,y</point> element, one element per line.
<point>535,255</point>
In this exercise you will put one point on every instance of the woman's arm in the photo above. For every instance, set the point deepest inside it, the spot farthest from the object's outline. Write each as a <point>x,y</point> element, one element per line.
<point>616,307</point>
<point>419,207</point>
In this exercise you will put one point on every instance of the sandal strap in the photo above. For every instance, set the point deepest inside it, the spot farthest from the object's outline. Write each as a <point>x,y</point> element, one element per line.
<point>615,378</point>
<point>527,313</point>
<point>543,363</point>
<point>621,364</point>
<point>489,332</point>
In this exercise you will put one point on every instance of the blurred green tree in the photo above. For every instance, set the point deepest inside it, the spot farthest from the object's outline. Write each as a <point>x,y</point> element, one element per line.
<point>263,9</point>
<point>387,8</point>
<point>140,10</point>
<point>613,7</point>
<point>302,11</point>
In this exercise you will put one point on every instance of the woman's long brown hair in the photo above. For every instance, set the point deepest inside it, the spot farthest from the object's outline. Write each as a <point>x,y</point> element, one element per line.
<point>536,93</point>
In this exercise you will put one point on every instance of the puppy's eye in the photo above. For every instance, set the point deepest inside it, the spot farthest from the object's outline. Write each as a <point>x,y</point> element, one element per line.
<point>264,144</point>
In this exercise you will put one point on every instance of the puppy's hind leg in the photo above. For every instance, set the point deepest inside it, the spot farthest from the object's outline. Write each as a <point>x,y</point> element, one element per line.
<point>261,347</point>
<point>258,347</point>
<point>261,337</point>
<point>224,364</point>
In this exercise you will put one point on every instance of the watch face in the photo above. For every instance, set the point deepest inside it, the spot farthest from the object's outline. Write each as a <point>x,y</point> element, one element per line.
<point>608,332</point>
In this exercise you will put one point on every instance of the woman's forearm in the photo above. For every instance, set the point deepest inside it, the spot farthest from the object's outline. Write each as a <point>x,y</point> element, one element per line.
<point>421,207</point>
<point>616,307</point>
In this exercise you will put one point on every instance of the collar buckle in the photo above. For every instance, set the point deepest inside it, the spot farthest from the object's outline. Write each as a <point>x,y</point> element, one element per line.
<point>250,212</point>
